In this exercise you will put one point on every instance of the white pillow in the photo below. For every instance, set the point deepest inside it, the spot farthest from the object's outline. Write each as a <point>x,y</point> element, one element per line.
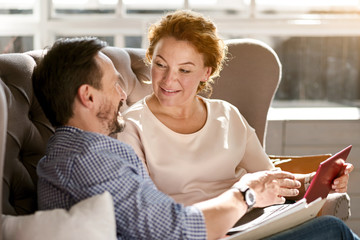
<point>92,218</point>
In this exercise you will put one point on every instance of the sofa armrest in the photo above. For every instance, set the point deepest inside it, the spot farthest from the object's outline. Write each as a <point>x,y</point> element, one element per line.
<point>338,205</point>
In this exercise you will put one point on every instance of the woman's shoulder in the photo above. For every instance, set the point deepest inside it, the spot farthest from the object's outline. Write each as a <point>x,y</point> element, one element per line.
<point>219,105</point>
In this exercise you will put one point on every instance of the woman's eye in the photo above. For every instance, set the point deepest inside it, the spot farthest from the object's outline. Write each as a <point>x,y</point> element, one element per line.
<point>184,71</point>
<point>160,65</point>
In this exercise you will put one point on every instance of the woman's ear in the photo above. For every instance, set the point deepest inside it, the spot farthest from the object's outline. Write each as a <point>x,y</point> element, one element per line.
<point>207,74</point>
<point>85,95</point>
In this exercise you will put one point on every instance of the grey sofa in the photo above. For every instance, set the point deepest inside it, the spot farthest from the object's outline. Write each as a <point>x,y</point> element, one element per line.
<point>248,81</point>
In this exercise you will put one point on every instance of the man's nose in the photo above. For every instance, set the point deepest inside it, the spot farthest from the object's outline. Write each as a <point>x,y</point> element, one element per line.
<point>121,92</point>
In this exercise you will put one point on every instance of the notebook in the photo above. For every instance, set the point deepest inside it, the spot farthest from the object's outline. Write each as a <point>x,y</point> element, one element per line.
<point>262,222</point>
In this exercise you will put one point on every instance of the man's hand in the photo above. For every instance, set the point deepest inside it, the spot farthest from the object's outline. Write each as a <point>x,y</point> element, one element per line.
<point>271,187</point>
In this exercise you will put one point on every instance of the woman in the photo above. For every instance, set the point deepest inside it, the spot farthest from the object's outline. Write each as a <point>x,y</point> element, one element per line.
<point>194,148</point>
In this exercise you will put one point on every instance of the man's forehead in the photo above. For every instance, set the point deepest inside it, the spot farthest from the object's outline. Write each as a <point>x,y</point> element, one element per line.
<point>107,65</point>
<point>104,62</point>
<point>100,56</point>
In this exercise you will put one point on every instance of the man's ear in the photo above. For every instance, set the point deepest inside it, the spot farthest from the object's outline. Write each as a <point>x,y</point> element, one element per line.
<point>85,95</point>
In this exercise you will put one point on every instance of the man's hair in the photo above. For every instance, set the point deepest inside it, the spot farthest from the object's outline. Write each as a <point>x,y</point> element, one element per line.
<point>69,64</point>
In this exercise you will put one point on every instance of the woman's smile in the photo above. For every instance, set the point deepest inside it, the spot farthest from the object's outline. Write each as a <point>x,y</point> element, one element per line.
<point>169,92</point>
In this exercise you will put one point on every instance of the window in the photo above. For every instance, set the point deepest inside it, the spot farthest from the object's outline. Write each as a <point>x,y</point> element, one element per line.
<point>133,41</point>
<point>70,7</point>
<point>319,68</point>
<point>317,40</point>
<point>16,44</point>
<point>11,7</point>
<point>306,6</point>
<point>219,7</point>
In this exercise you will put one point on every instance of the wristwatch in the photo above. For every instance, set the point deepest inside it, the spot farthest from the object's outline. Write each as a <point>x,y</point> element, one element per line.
<point>249,196</point>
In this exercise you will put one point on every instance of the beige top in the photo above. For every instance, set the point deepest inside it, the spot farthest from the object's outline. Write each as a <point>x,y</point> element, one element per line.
<point>198,166</point>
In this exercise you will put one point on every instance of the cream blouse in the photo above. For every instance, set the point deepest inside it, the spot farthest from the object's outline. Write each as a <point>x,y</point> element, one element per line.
<point>198,166</point>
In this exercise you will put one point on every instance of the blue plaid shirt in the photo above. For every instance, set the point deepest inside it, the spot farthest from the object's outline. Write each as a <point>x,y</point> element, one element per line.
<point>80,164</point>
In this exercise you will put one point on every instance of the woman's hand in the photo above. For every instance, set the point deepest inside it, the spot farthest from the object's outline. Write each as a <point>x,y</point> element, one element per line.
<point>340,183</point>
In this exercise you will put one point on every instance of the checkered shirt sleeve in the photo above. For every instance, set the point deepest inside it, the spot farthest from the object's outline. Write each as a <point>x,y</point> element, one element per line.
<point>80,164</point>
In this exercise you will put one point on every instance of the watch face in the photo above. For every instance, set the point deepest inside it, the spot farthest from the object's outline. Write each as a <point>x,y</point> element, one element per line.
<point>250,197</point>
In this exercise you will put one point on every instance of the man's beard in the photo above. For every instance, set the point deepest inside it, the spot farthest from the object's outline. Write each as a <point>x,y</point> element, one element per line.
<point>117,122</point>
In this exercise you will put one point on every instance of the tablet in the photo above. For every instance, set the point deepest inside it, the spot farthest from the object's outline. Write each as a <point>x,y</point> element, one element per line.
<point>327,171</point>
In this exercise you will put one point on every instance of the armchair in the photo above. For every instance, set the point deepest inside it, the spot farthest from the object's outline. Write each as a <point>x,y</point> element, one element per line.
<point>248,81</point>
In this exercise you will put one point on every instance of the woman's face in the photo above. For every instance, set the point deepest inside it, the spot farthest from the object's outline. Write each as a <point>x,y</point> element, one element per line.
<point>177,68</point>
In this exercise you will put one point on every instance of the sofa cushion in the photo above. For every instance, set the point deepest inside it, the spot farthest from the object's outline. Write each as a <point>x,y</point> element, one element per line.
<point>28,131</point>
<point>92,218</point>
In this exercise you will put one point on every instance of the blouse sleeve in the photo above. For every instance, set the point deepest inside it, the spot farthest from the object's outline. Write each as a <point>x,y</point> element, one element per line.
<point>255,159</point>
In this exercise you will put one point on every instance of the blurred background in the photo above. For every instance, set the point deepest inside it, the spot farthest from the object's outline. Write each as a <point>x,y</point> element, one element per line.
<point>316,108</point>
<point>316,40</point>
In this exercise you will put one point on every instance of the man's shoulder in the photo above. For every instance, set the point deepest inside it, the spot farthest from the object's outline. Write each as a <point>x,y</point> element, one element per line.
<point>88,151</point>
<point>83,141</point>
<point>100,142</point>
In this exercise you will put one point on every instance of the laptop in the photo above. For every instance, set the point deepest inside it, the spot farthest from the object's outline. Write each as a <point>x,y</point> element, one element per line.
<point>262,222</point>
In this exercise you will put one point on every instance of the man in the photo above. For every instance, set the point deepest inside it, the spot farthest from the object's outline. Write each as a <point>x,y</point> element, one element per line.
<point>80,93</point>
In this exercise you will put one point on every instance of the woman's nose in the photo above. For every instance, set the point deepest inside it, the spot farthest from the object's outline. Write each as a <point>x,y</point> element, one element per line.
<point>170,76</point>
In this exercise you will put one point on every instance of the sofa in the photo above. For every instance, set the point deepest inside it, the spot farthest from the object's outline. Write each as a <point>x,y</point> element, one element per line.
<point>249,81</point>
